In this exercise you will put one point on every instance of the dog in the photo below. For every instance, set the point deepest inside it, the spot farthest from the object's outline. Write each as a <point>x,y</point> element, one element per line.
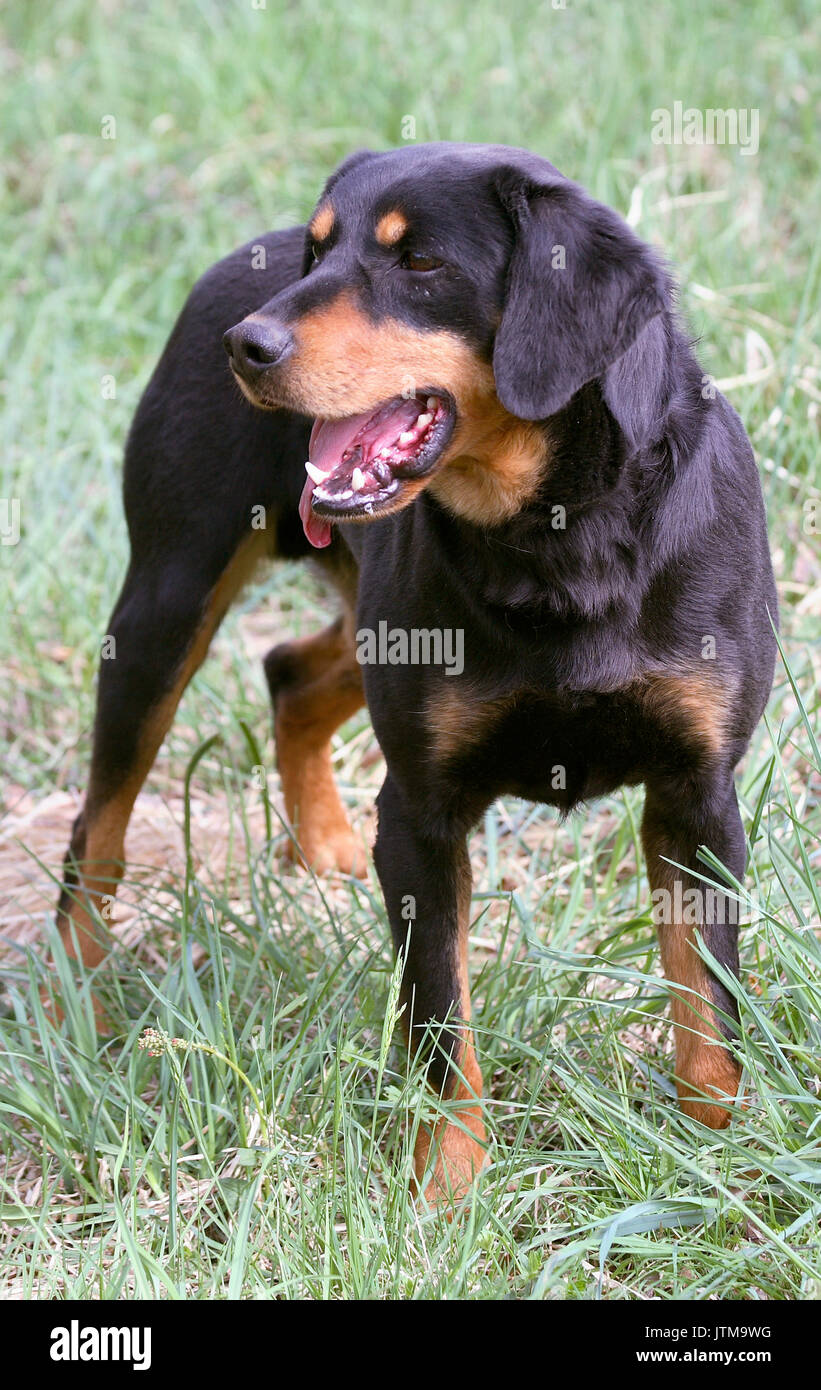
<point>508,437</point>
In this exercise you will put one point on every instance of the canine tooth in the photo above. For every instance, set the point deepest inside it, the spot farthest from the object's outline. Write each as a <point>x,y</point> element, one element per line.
<point>357,479</point>
<point>431,403</point>
<point>423,421</point>
<point>315,474</point>
<point>407,436</point>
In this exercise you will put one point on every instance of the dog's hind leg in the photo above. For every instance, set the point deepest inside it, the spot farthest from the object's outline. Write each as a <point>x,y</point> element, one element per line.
<point>677,819</point>
<point>200,469</point>
<point>158,635</point>
<point>315,685</point>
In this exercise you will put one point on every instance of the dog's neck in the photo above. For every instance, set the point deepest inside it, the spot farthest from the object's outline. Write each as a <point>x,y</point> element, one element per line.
<point>572,499</point>
<point>508,470</point>
<point>498,466</point>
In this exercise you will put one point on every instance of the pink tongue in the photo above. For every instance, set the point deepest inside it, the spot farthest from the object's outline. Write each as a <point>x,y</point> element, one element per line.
<point>330,438</point>
<point>328,442</point>
<point>316,528</point>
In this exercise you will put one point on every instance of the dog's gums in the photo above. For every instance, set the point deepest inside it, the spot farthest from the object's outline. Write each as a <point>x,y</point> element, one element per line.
<point>359,465</point>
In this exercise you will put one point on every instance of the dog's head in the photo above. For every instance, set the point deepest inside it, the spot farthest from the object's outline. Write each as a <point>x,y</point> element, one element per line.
<point>453,298</point>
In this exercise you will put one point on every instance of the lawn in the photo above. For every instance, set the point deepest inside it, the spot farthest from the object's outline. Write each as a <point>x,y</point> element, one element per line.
<point>267,1154</point>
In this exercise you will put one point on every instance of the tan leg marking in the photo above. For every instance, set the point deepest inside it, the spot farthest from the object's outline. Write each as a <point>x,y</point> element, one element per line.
<point>102,863</point>
<point>328,691</point>
<point>459,1149</point>
<point>704,1066</point>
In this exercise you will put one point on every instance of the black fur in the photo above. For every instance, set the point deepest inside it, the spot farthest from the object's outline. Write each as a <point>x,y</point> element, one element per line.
<point>663,542</point>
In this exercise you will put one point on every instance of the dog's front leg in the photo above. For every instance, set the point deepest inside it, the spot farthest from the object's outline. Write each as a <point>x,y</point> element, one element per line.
<point>426,880</point>
<point>678,818</point>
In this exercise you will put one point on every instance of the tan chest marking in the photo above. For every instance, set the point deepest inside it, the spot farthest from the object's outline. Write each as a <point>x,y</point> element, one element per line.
<point>458,719</point>
<point>692,703</point>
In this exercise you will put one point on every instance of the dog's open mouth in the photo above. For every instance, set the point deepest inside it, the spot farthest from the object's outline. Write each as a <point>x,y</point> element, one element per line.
<point>359,466</point>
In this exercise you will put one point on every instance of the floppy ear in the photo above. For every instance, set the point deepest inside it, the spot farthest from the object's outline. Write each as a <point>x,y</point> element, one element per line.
<point>581,288</point>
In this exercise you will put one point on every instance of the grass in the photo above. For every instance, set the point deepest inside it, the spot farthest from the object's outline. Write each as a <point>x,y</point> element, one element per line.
<point>269,1156</point>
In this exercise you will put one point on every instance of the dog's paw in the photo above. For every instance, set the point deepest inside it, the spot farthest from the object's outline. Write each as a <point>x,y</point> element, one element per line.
<point>340,852</point>
<point>711,1071</point>
<point>458,1153</point>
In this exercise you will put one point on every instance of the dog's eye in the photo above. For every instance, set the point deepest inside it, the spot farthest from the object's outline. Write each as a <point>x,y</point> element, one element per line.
<point>416,261</point>
<point>315,252</point>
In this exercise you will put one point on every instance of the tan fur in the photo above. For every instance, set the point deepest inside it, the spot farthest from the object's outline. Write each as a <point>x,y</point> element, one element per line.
<point>458,719</point>
<point>495,464</point>
<point>322,222</point>
<point>106,823</point>
<point>391,228</point>
<point>690,701</point>
<point>345,363</point>
<point>704,1066</point>
<point>328,692</point>
<point>245,389</point>
<point>459,1149</point>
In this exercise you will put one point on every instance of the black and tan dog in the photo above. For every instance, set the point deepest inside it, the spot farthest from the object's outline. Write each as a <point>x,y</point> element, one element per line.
<point>507,436</point>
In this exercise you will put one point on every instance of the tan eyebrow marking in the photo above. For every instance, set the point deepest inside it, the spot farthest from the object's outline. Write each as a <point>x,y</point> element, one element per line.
<point>391,227</point>
<point>322,222</point>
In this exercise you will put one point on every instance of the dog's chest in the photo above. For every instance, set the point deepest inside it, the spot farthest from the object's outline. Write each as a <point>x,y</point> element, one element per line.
<point>558,748</point>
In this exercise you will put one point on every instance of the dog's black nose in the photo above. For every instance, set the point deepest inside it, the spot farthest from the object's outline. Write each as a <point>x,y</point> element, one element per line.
<point>253,347</point>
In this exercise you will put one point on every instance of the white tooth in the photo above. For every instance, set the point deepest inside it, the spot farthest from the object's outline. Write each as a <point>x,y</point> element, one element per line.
<point>431,403</point>
<point>315,474</point>
<point>342,496</point>
<point>407,436</point>
<point>423,421</point>
<point>357,479</point>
